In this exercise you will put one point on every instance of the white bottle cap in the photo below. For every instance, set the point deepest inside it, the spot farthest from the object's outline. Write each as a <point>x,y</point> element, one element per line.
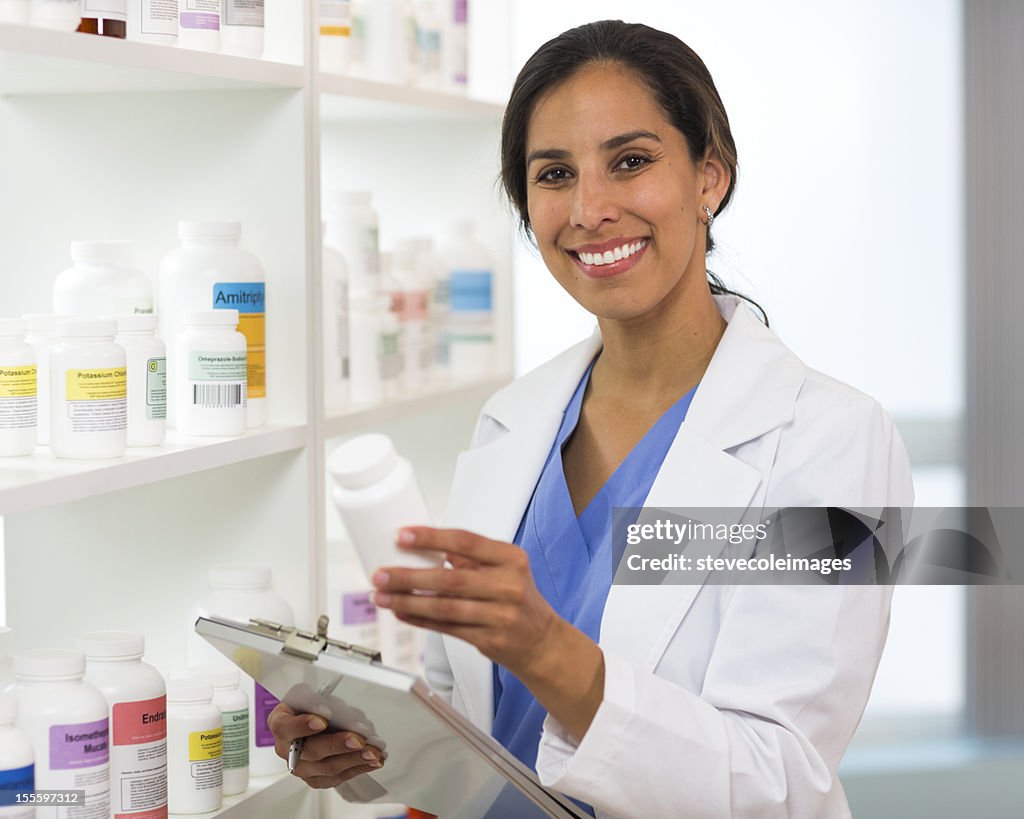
<point>13,327</point>
<point>113,644</point>
<point>213,230</point>
<point>8,708</point>
<point>115,252</point>
<point>362,460</point>
<point>188,689</point>
<point>49,662</point>
<point>211,318</point>
<point>239,576</point>
<point>136,323</point>
<point>86,328</point>
<point>219,676</point>
<point>43,322</point>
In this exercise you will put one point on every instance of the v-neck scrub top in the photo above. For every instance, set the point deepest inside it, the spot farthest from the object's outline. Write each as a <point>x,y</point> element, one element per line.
<point>571,557</point>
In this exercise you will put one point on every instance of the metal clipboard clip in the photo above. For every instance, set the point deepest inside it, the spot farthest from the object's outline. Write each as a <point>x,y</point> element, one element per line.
<point>310,646</point>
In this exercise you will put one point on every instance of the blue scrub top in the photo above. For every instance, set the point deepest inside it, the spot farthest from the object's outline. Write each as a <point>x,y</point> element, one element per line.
<point>571,558</point>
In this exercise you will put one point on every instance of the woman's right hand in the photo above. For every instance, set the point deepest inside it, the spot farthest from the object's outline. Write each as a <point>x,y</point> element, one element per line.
<point>327,760</point>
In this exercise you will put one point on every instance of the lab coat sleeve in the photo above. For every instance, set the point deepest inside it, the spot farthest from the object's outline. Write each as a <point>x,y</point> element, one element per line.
<point>787,680</point>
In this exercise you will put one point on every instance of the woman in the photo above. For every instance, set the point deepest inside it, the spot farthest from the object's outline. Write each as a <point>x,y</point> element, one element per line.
<point>704,701</point>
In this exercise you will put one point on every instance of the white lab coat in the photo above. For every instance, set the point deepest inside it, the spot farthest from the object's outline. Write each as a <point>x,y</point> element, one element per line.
<point>718,700</point>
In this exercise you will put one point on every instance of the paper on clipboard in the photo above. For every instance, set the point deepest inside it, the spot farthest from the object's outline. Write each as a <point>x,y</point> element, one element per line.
<point>434,759</point>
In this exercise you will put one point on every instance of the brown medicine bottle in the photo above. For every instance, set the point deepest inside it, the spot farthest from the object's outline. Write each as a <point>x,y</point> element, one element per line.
<point>106,17</point>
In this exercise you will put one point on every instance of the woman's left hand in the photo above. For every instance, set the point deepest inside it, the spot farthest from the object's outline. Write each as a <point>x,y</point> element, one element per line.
<point>487,597</point>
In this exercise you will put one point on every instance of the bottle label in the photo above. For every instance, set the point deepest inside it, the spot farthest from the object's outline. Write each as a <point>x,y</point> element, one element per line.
<point>205,749</point>
<point>156,389</point>
<point>15,782</point>
<point>97,399</point>
<point>138,757</point>
<point>335,18</point>
<point>18,397</point>
<point>200,14</point>
<point>389,354</point>
<point>79,745</point>
<point>470,290</point>
<point>263,704</point>
<point>236,738</point>
<point>243,13</point>
<point>218,378</point>
<point>250,300</point>
<point>159,17</point>
<point>357,610</point>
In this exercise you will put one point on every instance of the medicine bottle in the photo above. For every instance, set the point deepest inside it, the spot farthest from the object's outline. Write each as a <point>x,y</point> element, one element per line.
<point>64,15</point>
<point>335,36</point>
<point>353,228</point>
<point>106,17</point>
<point>239,592</point>
<point>471,316</point>
<point>199,24</point>
<point>195,781</point>
<point>42,335</point>
<point>241,27</point>
<point>66,722</point>
<point>335,329</point>
<point>102,282</point>
<point>366,314</point>
<point>153,21</point>
<point>146,360</point>
<point>376,493</point>
<point>13,11</point>
<point>18,402</point>
<point>88,391</point>
<point>234,712</point>
<point>17,771</point>
<point>211,272</point>
<point>211,388</point>
<point>136,695</point>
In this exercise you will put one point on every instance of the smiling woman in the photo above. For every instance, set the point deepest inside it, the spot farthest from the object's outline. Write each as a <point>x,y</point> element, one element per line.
<point>687,700</point>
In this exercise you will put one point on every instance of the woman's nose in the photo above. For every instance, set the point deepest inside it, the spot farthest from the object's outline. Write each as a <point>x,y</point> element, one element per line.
<point>592,203</point>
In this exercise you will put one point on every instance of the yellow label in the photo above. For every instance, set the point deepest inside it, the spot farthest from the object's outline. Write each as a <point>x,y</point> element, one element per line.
<point>18,381</point>
<point>96,385</point>
<point>204,745</point>
<point>254,327</point>
<point>336,31</point>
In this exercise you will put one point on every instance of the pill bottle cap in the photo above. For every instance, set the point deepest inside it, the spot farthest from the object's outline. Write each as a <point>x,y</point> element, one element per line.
<point>48,663</point>
<point>136,323</point>
<point>239,576</point>
<point>86,328</point>
<point>112,644</point>
<point>211,318</point>
<point>183,688</point>
<point>13,327</point>
<point>211,230</point>
<point>219,676</point>
<point>363,460</point>
<point>114,252</point>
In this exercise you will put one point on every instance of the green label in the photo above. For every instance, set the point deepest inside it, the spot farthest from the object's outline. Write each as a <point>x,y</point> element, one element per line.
<point>217,366</point>
<point>156,389</point>
<point>236,738</point>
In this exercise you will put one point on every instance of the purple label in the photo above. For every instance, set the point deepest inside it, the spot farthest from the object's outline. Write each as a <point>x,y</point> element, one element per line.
<point>356,609</point>
<point>198,20</point>
<point>461,10</point>
<point>82,745</point>
<point>265,703</point>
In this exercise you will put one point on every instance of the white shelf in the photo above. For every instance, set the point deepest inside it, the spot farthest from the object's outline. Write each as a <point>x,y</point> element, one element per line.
<point>361,418</point>
<point>41,480</point>
<point>40,61</point>
<point>350,99</point>
<point>264,792</point>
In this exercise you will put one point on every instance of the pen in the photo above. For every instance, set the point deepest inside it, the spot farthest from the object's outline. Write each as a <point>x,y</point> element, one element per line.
<point>294,752</point>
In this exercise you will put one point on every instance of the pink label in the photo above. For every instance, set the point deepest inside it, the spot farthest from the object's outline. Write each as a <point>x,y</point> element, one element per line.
<point>81,745</point>
<point>356,609</point>
<point>265,703</point>
<point>198,20</point>
<point>134,723</point>
<point>461,10</point>
<point>155,813</point>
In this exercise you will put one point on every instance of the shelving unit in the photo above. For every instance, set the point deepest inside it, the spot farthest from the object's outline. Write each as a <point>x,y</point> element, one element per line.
<point>105,138</point>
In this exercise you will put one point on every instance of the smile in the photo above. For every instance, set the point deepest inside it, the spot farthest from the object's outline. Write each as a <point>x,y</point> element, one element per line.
<point>610,262</point>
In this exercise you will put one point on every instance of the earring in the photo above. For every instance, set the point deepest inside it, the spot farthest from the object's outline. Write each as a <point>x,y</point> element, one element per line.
<point>709,214</point>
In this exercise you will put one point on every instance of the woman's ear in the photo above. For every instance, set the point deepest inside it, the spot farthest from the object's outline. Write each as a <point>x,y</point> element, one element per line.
<point>715,178</point>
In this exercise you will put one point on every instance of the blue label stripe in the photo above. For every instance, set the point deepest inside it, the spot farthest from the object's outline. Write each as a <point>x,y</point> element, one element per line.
<point>245,297</point>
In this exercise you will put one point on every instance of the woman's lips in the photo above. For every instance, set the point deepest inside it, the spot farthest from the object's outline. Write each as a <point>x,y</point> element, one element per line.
<point>612,268</point>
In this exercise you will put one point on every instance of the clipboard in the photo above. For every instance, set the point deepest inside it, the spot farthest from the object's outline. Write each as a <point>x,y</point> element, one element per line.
<point>434,758</point>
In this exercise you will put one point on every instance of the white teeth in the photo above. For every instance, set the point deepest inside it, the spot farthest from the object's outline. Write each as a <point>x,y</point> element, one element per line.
<point>614,255</point>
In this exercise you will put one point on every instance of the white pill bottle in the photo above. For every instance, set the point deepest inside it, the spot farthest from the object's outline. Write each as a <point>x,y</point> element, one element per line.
<point>240,592</point>
<point>210,271</point>
<point>199,24</point>
<point>66,721</point>
<point>42,335</point>
<point>137,698</point>
<point>195,780</point>
<point>18,390</point>
<point>17,771</point>
<point>146,360</point>
<point>102,282</point>
<point>234,712</point>
<point>88,391</point>
<point>210,386</point>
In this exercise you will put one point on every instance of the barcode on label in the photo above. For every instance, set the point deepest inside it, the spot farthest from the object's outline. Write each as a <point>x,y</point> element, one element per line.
<point>216,395</point>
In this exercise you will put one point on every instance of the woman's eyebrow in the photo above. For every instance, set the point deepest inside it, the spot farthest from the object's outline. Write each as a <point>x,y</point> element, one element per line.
<point>608,145</point>
<point>547,153</point>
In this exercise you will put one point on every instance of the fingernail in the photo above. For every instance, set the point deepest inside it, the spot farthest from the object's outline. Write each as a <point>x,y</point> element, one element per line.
<point>369,756</point>
<point>353,743</point>
<point>381,598</point>
<point>374,764</point>
<point>406,537</point>
<point>381,578</point>
<point>317,723</point>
